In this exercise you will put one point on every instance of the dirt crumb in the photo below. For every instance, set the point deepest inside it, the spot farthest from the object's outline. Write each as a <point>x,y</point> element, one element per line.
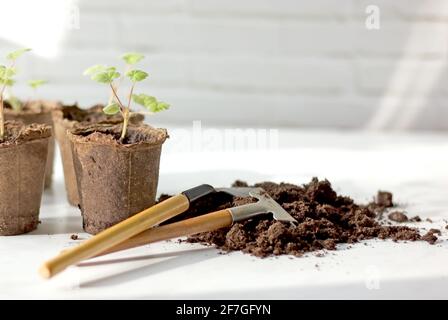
<point>239,183</point>
<point>398,216</point>
<point>384,199</point>
<point>74,237</point>
<point>430,236</point>
<point>435,231</point>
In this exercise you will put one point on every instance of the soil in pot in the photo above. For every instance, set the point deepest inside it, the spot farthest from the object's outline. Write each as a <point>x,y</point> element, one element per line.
<point>36,111</point>
<point>66,118</point>
<point>116,179</point>
<point>23,156</point>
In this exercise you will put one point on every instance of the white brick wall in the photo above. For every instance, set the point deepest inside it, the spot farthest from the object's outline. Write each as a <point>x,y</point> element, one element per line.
<point>264,62</point>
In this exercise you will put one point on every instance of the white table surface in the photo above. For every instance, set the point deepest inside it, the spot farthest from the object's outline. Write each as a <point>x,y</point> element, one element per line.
<point>413,166</point>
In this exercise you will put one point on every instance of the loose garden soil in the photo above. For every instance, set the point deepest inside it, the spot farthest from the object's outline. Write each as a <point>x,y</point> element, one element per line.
<point>325,219</point>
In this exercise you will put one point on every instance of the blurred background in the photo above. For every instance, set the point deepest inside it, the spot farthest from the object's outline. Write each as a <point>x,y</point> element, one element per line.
<point>375,65</point>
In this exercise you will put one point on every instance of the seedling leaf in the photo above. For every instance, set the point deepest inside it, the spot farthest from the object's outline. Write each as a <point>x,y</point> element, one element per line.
<point>6,72</point>
<point>94,69</point>
<point>36,83</point>
<point>7,82</point>
<point>132,58</point>
<point>106,76</point>
<point>150,103</point>
<point>144,100</point>
<point>160,106</point>
<point>137,75</point>
<point>15,54</point>
<point>111,109</point>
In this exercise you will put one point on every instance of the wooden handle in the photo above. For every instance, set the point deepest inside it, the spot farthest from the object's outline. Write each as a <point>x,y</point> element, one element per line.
<point>116,234</point>
<point>208,222</point>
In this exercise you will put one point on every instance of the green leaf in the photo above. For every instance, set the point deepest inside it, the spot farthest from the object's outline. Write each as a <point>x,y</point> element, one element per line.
<point>36,83</point>
<point>10,72</point>
<point>15,54</point>
<point>150,103</point>
<point>94,69</point>
<point>7,72</point>
<point>160,106</point>
<point>111,109</point>
<point>132,58</point>
<point>7,82</point>
<point>144,100</point>
<point>15,103</point>
<point>137,75</point>
<point>106,76</point>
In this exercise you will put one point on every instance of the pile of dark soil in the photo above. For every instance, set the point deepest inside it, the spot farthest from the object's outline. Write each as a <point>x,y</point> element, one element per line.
<point>325,219</point>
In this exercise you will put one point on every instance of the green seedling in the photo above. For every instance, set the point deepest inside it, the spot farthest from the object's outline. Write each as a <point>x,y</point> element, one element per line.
<point>15,103</point>
<point>130,59</point>
<point>110,76</point>
<point>7,73</point>
<point>34,84</point>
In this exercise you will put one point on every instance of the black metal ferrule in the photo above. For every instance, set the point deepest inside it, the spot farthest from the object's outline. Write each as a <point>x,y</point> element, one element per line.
<point>198,192</point>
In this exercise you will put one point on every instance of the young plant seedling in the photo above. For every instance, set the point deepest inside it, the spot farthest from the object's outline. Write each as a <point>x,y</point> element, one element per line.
<point>15,103</point>
<point>7,74</point>
<point>109,75</point>
<point>34,84</point>
<point>130,59</point>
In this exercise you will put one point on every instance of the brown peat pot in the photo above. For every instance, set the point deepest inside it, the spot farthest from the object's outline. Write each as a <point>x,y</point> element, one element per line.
<point>66,118</point>
<point>115,179</point>
<point>23,156</point>
<point>37,111</point>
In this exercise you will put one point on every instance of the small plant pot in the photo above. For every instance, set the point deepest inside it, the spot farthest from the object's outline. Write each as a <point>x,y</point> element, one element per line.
<point>23,156</point>
<point>115,179</point>
<point>66,118</point>
<point>37,112</point>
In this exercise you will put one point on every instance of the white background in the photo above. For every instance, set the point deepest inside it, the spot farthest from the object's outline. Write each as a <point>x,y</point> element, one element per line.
<point>309,63</point>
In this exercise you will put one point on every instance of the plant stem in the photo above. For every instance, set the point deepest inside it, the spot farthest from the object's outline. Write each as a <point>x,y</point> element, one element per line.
<point>2,119</point>
<point>124,111</point>
<point>120,81</point>
<point>130,95</point>
<point>117,98</point>
<point>112,95</point>
<point>2,115</point>
<point>125,115</point>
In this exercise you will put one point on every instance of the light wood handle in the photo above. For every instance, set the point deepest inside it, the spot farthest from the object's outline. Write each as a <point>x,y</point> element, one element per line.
<point>208,222</point>
<point>116,234</point>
